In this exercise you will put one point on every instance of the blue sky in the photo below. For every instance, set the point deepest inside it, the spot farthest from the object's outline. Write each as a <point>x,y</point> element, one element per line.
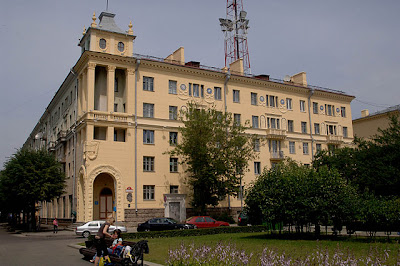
<point>352,46</point>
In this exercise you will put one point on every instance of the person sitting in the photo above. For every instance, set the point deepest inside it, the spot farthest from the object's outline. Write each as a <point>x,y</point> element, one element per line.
<point>116,246</point>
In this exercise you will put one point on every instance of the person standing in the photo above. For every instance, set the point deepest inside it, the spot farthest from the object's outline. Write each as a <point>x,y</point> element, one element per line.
<point>100,243</point>
<point>55,226</point>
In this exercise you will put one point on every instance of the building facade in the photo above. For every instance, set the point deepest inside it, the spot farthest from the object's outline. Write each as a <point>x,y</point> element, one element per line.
<point>367,125</point>
<point>117,113</point>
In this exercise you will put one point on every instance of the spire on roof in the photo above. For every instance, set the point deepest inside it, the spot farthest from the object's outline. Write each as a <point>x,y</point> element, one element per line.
<point>84,30</point>
<point>93,25</point>
<point>130,31</point>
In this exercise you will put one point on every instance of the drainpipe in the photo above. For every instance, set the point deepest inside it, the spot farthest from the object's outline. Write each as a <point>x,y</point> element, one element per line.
<point>136,124</point>
<point>309,115</point>
<point>74,134</point>
<point>227,77</point>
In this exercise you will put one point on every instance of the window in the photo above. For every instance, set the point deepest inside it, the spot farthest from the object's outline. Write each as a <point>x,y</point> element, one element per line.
<point>173,189</point>
<point>102,43</point>
<point>173,165</point>
<point>148,192</point>
<point>256,144</point>
<point>121,46</point>
<point>316,129</point>
<point>303,127</point>
<point>292,147</point>
<point>257,168</point>
<point>290,125</point>
<point>343,111</point>
<point>148,110</point>
<point>254,98</point>
<point>119,134</point>
<point>305,148</point>
<point>236,119</point>
<point>345,132</point>
<point>330,109</point>
<point>196,91</point>
<point>148,164</point>
<point>289,103</point>
<point>254,120</point>
<point>273,123</point>
<point>236,96</point>
<point>100,133</point>
<point>173,138</point>
<point>148,136</point>
<point>116,85</point>
<point>217,93</point>
<point>173,112</point>
<point>330,130</point>
<point>315,107</point>
<point>172,87</point>
<point>115,107</point>
<point>302,106</point>
<point>318,147</point>
<point>148,84</point>
<point>273,101</point>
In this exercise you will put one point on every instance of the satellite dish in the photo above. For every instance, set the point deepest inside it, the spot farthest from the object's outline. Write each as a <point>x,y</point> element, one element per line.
<point>287,78</point>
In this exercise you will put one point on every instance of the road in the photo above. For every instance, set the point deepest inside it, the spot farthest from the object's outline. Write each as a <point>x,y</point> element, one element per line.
<point>40,249</point>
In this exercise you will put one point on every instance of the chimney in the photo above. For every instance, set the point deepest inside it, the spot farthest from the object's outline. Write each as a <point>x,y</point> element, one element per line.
<point>299,79</point>
<point>364,113</point>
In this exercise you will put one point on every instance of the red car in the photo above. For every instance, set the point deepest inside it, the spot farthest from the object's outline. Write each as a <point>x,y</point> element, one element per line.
<point>205,222</point>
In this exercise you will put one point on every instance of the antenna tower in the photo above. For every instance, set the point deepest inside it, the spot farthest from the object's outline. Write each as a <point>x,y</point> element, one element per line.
<point>235,27</point>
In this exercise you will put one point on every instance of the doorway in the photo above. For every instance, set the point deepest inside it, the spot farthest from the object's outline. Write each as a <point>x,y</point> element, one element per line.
<point>106,203</point>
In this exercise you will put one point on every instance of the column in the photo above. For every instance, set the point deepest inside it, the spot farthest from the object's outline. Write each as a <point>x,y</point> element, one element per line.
<point>91,67</point>
<point>79,100</point>
<point>110,88</point>
<point>130,91</point>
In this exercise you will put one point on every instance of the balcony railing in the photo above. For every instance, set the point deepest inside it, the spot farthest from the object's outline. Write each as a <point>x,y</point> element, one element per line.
<point>105,116</point>
<point>273,133</point>
<point>61,136</point>
<point>333,139</point>
<point>277,155</point>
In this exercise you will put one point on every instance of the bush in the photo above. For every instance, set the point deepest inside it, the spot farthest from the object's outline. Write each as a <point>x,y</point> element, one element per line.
<point>225,217</point>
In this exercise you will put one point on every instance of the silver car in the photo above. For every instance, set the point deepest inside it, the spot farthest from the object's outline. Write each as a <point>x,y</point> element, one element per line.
<point>91,228</point>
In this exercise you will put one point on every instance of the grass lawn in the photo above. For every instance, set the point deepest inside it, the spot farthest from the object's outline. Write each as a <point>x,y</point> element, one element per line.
<point>256,242</point>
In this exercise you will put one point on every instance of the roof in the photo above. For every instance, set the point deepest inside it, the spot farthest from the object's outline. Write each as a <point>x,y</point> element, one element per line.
<point>387,110</point>
<point>107,23</point>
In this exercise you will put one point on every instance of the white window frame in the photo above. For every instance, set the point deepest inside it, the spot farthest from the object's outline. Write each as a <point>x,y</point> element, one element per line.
<point>173,165</point>
<point>148,192</point>
<point>304,127</point>
<point>148,83</point>
<point>173,141</point>
<point>257,168</point>
<point>255,121</point>
<point>317,129</point>
<point>253,96</point>
<point>173,112</point>
<point>148,110</point>
<point>172,87</point>
<point>218,93</point>
<point>302,106</point>
<point>148,163</point>
<point>148,136</point>
<point>289,105</point>
<point>305,148</point>
<point>292,147</point>
<point>236,96</point>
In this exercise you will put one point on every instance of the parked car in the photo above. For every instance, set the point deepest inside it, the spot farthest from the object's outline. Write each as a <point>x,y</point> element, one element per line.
<point>163,223</point>
<point>205,222</point>
<point>243,219</point>
<point>92,227</point>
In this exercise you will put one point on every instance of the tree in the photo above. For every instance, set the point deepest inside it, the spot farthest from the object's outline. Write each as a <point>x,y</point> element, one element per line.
<point>216,151</point>
<point>372,165</point>
<point>30,176</point>
<point>297,194</point>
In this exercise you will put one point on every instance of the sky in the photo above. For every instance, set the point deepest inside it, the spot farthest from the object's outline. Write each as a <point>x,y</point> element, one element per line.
<point>351,46</point>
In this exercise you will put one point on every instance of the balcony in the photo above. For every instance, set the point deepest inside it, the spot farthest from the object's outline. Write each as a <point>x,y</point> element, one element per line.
<point>277,155</point>
<point>62,136</point>
<point>109,117</point>
<point>273,133</point>
<point>332,139</point>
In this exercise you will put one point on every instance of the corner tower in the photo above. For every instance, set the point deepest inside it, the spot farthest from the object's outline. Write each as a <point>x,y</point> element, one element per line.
<point>107,37</point>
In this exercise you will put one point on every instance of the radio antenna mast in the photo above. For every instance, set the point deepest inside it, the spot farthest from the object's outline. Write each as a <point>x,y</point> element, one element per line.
<point>235,27</point>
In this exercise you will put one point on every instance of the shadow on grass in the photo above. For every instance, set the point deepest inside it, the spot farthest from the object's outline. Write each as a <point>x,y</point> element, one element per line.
<point>312,236</point>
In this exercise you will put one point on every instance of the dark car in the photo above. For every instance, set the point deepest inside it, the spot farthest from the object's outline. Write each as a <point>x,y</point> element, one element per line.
<point>243,219</point>
<point>205,222</point>
<point>161,224</point>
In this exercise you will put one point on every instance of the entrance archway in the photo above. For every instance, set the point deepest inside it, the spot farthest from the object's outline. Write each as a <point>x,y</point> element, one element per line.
<point>103,196</point>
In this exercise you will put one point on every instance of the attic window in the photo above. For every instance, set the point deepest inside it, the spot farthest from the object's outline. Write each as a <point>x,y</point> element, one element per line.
<point>102,43</point>
<point>121,46</point>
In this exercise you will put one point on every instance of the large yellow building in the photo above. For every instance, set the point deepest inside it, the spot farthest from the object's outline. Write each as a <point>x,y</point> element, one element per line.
<point>115,115</point>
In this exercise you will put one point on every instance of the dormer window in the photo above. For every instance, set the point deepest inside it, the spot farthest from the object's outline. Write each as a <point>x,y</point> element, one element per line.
<point>102,43</point>
<point>121,46</point>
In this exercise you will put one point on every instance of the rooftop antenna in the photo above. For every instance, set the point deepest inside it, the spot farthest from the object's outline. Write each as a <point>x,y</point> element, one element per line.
<point>235,27</point>
<point>107,6</point>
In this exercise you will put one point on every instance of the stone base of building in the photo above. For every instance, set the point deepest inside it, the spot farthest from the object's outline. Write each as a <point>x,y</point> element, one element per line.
<point>133,218</point>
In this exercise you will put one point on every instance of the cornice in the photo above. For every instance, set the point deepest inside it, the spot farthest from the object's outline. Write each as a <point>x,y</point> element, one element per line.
<point>376,116</point>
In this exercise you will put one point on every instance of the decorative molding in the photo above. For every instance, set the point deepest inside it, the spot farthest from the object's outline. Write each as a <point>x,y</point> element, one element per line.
<point>91,150</point>
<point>111,68</point>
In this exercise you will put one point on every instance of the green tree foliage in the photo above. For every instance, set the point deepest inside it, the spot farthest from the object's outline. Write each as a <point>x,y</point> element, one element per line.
<point>28,177</point>
<point>297,194</point>
<point>216,151</point>
<point>372,165</point>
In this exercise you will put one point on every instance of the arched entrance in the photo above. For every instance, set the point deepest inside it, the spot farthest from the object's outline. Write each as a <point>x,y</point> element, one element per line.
<point>103,196</point>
